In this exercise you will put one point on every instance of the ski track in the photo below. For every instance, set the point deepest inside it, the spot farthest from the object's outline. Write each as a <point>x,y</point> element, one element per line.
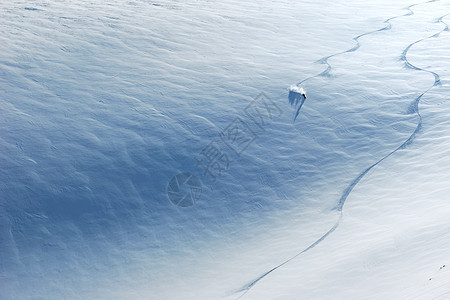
<point>414,108</point>
<point>324,60</point>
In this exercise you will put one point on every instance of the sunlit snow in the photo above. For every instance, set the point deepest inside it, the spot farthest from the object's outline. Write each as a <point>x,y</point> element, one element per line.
<point>168,150</point>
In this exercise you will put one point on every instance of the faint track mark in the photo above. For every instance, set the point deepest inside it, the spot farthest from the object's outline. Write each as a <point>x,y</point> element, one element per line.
<point>414,108</point>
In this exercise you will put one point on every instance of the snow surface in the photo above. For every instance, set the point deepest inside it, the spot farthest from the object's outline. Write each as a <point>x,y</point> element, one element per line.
<point>103,103</point>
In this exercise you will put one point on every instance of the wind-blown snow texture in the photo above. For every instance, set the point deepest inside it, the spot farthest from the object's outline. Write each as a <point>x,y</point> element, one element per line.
<point>102,104</point>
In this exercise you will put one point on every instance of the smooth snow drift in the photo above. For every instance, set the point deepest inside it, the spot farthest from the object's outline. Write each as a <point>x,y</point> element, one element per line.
<point>147,150</point>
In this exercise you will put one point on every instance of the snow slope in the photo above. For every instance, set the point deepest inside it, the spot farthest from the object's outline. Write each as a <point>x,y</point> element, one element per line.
<point>102,104</point>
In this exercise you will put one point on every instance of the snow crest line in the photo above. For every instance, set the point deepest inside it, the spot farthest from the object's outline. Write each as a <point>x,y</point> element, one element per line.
<point>414,108</point>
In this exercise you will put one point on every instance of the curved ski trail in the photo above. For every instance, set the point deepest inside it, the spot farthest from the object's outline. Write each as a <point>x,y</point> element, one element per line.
<point>414,108</point>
